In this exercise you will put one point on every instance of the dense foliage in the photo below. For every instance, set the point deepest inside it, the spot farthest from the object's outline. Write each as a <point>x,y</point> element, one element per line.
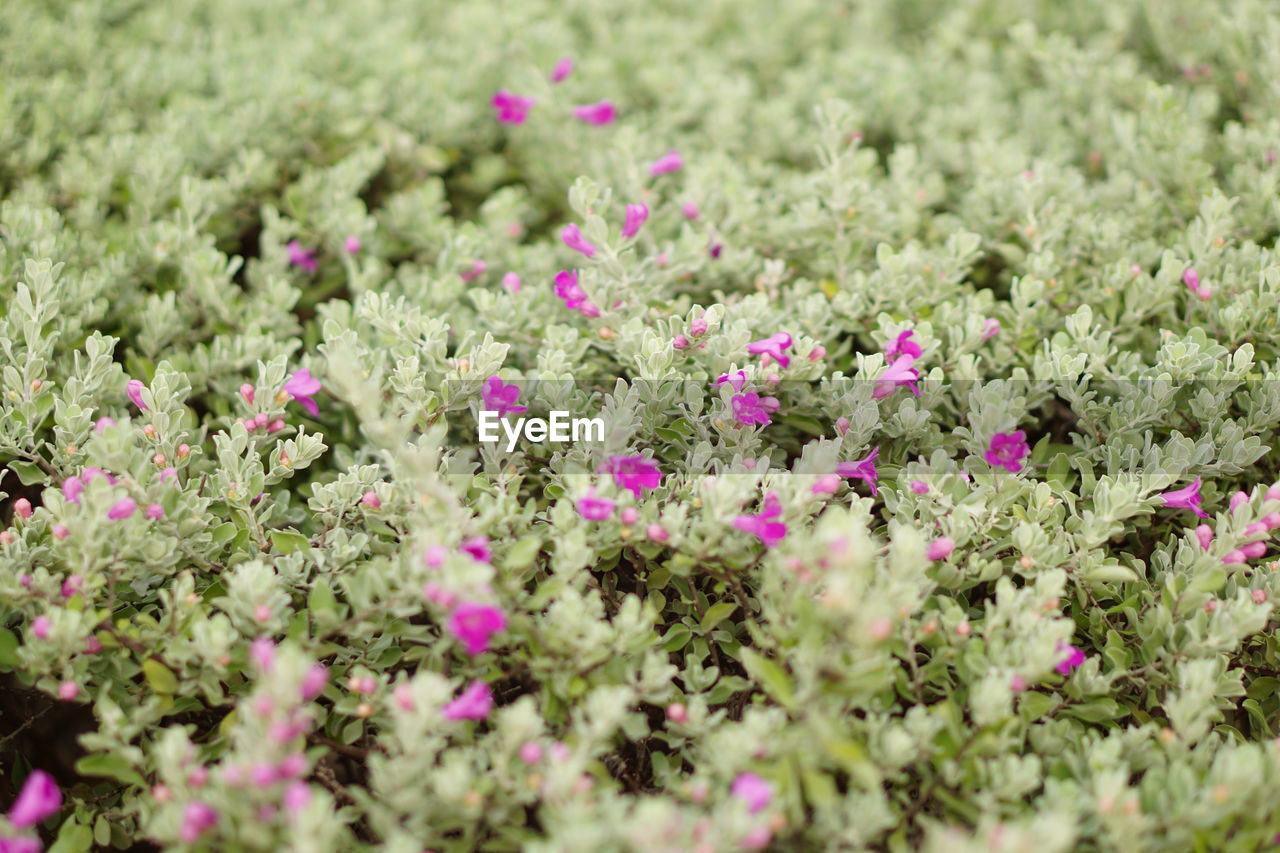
<point>936,346</point>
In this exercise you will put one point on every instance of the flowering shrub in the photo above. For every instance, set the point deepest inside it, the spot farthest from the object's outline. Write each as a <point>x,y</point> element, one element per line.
<point>935,350</point>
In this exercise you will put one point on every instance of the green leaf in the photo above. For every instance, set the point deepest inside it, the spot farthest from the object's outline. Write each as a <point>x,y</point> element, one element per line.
<point>716,614</point>
<point>288,540</point>
<point>8,648</point>
<point>160,677</point>
<point>29,473</point>
<point>524,552</point>
<point>73,837</point>
<point>772,677</point>
<point>110,767</point>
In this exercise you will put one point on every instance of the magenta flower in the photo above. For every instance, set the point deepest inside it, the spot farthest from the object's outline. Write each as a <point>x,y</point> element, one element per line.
<point>941,548</point>
<point>571,234</point>
<point>752,790</point>
<point>862,469</point>
<point>1204,533</point>
<point>1007,450</point>
<point>197,819</point>
<point>751,408</point>
<point>20,845</point>
<point>737,381</point>
<point>919,487</point>
<point>1074,657</point>
<point>773,347</point>
<point>562,69</point>
<point>636,216</point>
<point>568,290</point>
<point>134,390</point>
<point>633,473</point>
<point>477,269</point>
<point>155,512</point>
<point>38,799</point>
<point>1185,498</point>
<point>472,624</point>
<point>122,509</point>
<point>302,386</point>
<point>477,547</point>
<point>903,345</point>
<point>599,113</point>
<point>300,257</point>
<point>669,162</point>
<point>593,508</point>
<point>769,532</point>
<point>899,372</point>
<point>501,398</point>
<point>510,108</point>
<point>474,703</point>
<point>352,245</point>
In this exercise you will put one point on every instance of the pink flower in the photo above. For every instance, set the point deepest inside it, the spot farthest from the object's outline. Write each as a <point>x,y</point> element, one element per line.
<point>1191,279</point>
<point>511,283</point>
<point>599,113</point>
<point>531,752</point>
<point>167,474</point>
<point>899,372</point>
<point>40,627</point>
<point>197,819</point>
<point>773,347</point>
<point>477,269</point>
<point>826,484</point>
<point>903,345</point>
<point>477,547</point>
<point>920,487</point>
<point>1237,499</point>
<point>263,652</point>
<point>1205,534</point>
<point>473,624</point>
<point>500,398</point>
<point>60,531</point>
<point>593,508</point>
<point>633,473</point>
<point>990,328</point>
<point>629,515</point>
<point>72,489</point>
<point>567,289</point>
<point>103,423</point>
<point>435,556</point>
<point>751,408</point>
<point>679,342</point>
<point>862,469</point>
<point>68,691</point>
<point>752,790</point>
<point>38,799</point>
<point>657,533</point>
<point>1185,498</point>
<point>296,797</point>
<point>300,257</point>
<point>842,425</point>
<point>510,108</point>
<point>122,509</point>
<point>562,69</point>
<point>352,245</point>
<point>371,500</point>
<point>941,548</point>
<point>155,512</point>
<point>571,234</point>
<point>314,681</point>
<point>636,216</point>
<point>690,210</point>
<point>20,845</point>
<point>1007,450</point>
<point>22,508</point>
<point>698,326</point>
<point>302,386</point>
<point>474,703</point>
<point>669,162</point>
<point>1074,657</point>
<point>134,390</point>
<point>769,532</point>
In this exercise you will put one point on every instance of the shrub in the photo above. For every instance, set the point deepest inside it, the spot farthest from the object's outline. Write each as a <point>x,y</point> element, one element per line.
<point>934,350</point>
